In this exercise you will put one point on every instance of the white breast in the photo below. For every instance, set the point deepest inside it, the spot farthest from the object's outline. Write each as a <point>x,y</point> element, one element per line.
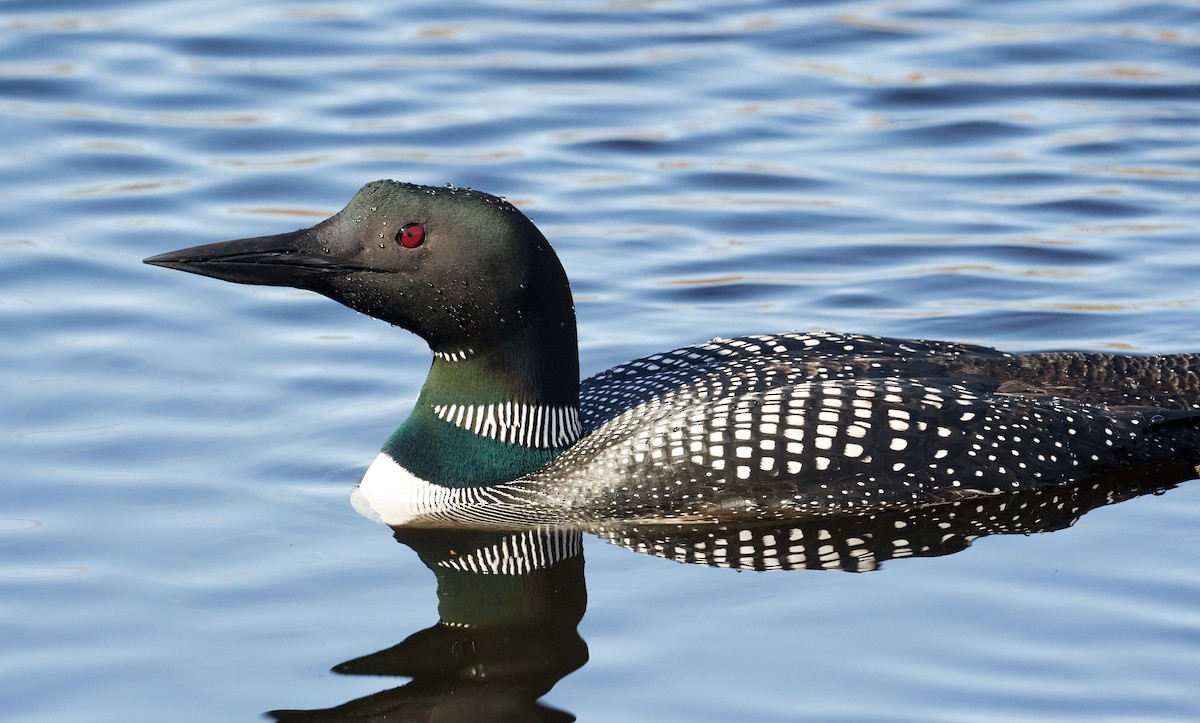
<point>391,494</point>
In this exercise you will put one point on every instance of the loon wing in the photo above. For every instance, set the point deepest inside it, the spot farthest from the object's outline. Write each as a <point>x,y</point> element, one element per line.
<point>849,445</point>
<point>755,363</point>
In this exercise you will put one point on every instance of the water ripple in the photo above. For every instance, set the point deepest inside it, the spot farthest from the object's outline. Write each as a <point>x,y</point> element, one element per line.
<point>1022,174</point>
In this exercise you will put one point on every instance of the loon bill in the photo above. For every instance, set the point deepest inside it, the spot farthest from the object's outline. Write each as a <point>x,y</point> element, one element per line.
<point>759,427</point>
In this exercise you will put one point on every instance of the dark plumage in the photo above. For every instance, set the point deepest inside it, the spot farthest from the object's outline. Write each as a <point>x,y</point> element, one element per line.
<point>760,427</point>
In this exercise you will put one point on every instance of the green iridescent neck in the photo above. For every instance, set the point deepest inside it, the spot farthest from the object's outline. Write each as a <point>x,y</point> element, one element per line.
<point>491,415</point>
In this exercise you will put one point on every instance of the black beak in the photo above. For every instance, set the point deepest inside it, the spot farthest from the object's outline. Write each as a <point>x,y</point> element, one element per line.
<point>296,259</point>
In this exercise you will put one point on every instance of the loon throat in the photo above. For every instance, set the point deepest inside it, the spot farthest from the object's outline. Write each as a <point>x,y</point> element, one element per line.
<point>758,427</point>
<point>523,424</point>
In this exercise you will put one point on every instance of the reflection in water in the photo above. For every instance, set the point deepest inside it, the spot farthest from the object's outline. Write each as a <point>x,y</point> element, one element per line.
<point>510,602</point>
<point>863,543</point>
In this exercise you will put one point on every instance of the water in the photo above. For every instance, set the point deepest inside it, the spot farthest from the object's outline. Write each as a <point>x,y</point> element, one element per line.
<point>176,541</point>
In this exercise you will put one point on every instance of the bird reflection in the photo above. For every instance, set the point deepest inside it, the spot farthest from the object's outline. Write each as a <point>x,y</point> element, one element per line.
<point>863,543</point>
<point>510,602</point>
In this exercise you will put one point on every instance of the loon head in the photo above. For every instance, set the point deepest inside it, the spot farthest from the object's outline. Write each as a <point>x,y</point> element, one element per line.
<point>464,270</point>
<point>471,275</point>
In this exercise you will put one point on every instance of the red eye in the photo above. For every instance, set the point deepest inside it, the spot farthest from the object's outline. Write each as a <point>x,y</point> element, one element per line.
<point>411,236</point>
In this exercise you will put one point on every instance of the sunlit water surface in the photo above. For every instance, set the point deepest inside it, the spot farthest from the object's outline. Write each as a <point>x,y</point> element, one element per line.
<point>176,541</point>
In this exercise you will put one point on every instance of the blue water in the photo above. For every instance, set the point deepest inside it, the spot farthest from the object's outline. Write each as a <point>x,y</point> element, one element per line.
<point>176,541</point>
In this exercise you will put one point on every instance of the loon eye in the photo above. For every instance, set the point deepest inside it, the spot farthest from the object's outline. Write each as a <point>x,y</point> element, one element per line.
<point>411,236</point>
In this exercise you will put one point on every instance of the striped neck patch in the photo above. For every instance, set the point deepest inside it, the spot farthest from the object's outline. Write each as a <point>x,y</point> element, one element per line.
<point>454,356</point>
<point>520,553</point>
<point>528,425</point>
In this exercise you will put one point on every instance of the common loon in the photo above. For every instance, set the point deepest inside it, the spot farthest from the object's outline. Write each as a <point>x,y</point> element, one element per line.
<point>758,427</point>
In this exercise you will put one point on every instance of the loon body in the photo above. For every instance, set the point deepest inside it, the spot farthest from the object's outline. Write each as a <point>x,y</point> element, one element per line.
<point>758,427</point>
